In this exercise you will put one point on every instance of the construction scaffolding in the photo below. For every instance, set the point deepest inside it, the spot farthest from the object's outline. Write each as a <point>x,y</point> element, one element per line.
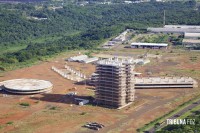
<point>115,82</point>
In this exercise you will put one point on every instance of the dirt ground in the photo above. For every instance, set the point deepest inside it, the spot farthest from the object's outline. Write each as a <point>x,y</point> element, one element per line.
<point>56,112</point>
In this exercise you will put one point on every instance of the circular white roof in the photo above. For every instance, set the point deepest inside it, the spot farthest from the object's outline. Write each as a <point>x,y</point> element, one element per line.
<point>27,84</point>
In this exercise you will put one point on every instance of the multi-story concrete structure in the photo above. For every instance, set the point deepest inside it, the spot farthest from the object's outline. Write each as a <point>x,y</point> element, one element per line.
<point>115,82</point>
<point>164,82</point>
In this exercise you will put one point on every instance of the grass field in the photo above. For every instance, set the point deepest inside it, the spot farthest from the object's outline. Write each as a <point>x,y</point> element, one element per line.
<point>171,113</point>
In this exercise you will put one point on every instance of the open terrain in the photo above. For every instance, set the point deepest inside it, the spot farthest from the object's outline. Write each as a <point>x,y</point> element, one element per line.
<point>56,112</point>
<point>31,33</point>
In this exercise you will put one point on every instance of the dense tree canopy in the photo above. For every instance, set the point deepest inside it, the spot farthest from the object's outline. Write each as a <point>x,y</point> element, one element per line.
<point>75,27</point>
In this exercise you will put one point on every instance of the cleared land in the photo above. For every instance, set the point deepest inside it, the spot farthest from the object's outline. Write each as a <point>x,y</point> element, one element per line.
<point>55,112</point>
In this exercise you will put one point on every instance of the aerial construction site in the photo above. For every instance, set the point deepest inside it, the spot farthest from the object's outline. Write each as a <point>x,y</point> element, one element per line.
<point>116,82</point>
<point>108,89</point>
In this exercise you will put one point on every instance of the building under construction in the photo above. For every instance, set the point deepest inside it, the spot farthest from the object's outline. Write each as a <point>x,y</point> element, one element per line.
<point>115,82</point>
<point>164,82</point>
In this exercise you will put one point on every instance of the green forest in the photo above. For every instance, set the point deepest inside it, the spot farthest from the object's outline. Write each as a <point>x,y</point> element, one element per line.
<point>30,31</point>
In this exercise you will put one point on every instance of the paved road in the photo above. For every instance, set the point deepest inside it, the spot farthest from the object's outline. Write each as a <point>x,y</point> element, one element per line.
<point>181,112</point>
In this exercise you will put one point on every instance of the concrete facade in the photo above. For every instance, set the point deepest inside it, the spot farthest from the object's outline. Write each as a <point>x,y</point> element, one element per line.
<point>164,82</point>
<point>27,86</point>
<point>115,83</point>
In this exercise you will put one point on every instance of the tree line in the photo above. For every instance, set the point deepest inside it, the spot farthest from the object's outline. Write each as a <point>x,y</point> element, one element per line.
<point>93,23</point>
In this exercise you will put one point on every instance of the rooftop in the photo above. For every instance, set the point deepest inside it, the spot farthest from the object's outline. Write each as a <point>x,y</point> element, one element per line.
<point>183,26</point>
<point>191,41</point>
<point>192,35</point>
<point>164,80</point>
<point>115,62</point>
<point>27,84</point>
<point>175,30</point>
<point>149,44</point>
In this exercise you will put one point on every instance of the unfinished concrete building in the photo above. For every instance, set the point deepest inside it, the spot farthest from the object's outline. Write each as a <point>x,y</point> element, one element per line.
<point>164,82</point>
<point>115,82</point>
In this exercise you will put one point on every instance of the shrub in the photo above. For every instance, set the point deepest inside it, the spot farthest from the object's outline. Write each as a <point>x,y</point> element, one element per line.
<point>24,104</point>
<point>53,108</point>
<point>9,123</point>
<point>83,113</point>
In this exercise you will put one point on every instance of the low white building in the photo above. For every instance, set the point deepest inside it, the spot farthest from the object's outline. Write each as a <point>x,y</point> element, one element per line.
<point>78,58</point>
<point>175,29</point>
<point>149,45</point>
<point>183,26</point>
<point>192,35</point>
<point>90,60</point>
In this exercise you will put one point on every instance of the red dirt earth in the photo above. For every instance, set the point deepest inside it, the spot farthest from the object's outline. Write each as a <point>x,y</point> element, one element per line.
<point>55,112</point>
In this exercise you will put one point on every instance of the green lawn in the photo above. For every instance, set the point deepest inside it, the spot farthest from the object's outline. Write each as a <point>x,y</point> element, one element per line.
<point>10,49</point>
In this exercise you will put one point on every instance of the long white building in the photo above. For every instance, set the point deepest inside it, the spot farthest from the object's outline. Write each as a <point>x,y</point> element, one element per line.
<point>149,45</point>
<point>176,29</point>
<point>192,35</point>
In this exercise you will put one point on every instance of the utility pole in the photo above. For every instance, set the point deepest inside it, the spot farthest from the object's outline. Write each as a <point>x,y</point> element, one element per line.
<point>164,19</point>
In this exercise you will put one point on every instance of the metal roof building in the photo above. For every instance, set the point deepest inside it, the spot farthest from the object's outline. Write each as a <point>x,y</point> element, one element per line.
<point>191,41</point>
<point>176,29</point>
<point>78,58</point>
<point>89,60</point>
<point>183,26</point>
<point>173,30</point>
<point>192,35</point>
<point>149,45</point>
